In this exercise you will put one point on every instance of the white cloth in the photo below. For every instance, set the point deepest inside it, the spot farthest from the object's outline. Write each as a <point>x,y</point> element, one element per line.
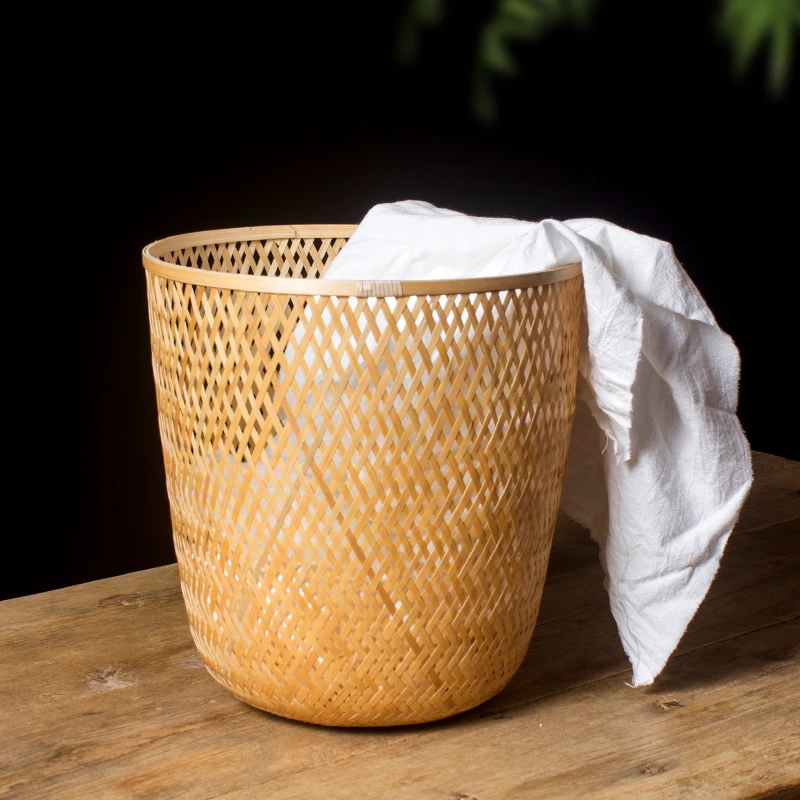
<point>659,466</point>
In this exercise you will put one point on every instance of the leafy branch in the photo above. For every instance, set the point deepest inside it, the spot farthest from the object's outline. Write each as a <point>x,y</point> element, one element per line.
<point>520,20</point>
<point>747,25</point>
<point>418,14</point>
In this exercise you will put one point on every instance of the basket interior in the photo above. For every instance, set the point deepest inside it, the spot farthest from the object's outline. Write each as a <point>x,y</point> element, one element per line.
<point>273,258</point>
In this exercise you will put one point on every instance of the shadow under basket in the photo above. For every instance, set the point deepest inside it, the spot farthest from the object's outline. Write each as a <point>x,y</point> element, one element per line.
<point>363,476</point>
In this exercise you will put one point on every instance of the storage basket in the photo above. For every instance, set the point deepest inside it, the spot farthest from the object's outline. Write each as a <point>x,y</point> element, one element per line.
<point>363,476</point>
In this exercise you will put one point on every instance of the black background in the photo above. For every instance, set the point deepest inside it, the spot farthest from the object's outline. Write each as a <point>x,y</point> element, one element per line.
<point>301,115</point>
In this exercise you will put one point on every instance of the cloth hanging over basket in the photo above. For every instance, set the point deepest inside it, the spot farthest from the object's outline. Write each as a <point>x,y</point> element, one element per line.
<point>659,466</point>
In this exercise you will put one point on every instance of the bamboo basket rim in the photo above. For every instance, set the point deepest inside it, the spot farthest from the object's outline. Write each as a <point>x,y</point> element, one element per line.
<point>323,286</point>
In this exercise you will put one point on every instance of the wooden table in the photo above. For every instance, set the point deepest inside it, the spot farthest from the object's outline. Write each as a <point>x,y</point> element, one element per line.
<point>102,694</point>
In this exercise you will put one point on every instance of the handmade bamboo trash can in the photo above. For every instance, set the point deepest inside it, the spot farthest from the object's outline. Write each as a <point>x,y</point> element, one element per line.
<point>363,477</point>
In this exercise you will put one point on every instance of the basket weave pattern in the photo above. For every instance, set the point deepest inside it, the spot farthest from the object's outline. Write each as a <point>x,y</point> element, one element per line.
<point>363,489</point>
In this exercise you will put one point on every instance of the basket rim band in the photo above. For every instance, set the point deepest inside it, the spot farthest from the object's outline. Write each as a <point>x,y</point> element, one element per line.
<point>321,286</point>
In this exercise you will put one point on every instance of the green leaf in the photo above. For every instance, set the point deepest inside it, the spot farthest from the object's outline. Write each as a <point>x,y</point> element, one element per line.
<point>753,25</point>
<point>418,14</point>
<point>780,63</point>
<point>515,20</point>
<point>494,52</point>
<point>524,10</point>
<point>484,104</point>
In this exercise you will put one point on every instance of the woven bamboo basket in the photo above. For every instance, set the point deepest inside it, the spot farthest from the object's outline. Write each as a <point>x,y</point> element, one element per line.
<point>363,476</point>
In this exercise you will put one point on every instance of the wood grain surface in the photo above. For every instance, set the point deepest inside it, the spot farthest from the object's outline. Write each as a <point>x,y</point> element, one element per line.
<point>102,694</point>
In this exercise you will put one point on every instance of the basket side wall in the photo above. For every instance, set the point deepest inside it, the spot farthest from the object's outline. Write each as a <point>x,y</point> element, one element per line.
<point>363,490</point>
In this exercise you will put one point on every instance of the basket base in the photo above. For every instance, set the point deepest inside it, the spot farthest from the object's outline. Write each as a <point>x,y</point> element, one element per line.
<point>381,715</point>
